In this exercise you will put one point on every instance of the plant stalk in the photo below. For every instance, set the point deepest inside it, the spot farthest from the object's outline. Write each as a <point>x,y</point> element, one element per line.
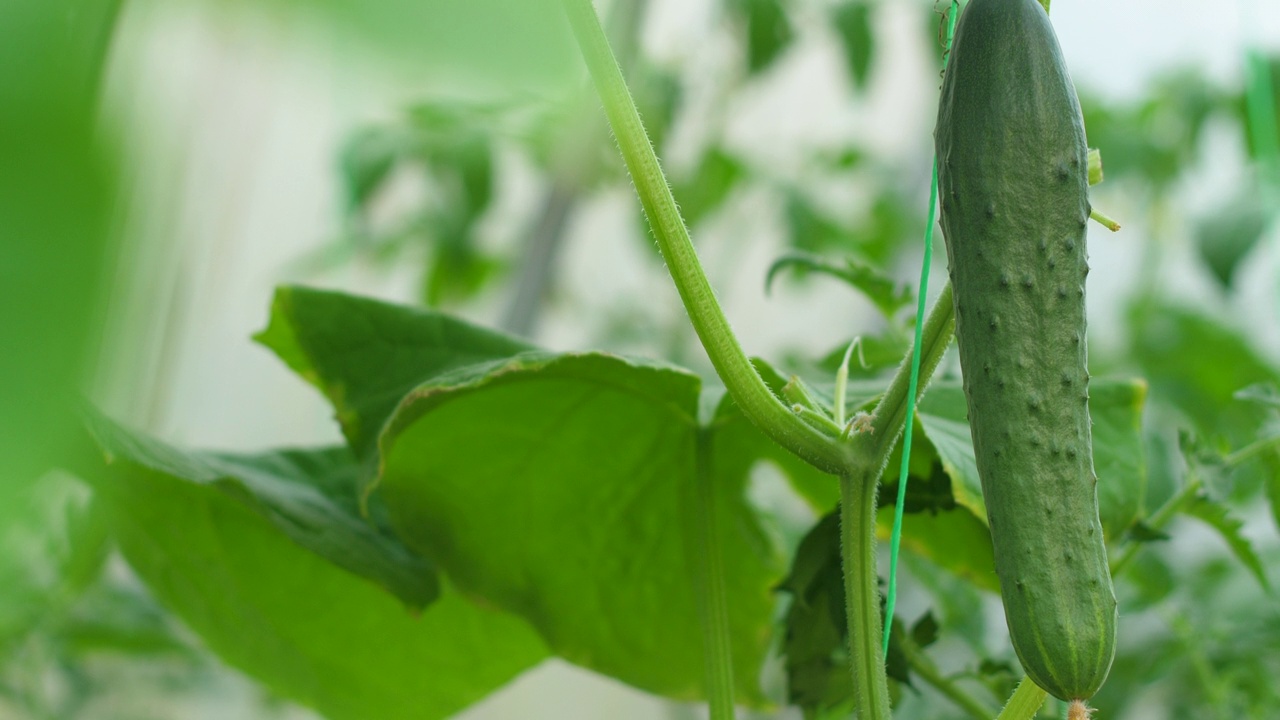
<point>713,602</point>
<point>744,384</point>
<point>862,597</point>
<point>923,666</point>
<point>1026,700</point>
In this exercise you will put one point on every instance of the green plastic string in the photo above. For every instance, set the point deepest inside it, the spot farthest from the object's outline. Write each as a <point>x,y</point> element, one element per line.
<point>896,539</point>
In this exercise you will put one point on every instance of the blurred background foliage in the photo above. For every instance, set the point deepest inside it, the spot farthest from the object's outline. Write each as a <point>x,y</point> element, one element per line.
<point>426,191</point>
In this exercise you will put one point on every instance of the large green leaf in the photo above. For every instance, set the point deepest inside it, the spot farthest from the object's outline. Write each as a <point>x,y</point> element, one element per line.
<point>308,495</point>
<point>560,488</point>
<point>224,556</point>
<point>366,355</point>
<point>1116,408</point>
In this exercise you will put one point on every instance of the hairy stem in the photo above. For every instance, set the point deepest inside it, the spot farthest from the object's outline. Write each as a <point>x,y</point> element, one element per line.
<point>713,602</point>
<point>862,597</point>
<point>873,448</point>
<point>1024,703</point>
<point>923,666</point>
<point>857,507</point>
<point>745,385</point>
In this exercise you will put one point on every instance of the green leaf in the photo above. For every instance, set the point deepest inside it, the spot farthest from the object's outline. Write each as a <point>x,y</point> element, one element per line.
<point>852,21</point>
<point>1266,394</point>
<point>714,178</point>
<point>815,625</point>
<point>888,296</point>
<point>229,565</point>
<point>56,193</point>
<point>1119,452</point>
<point>1228,235</point>
<point>558,487</point>
<point>769,31</point>
<point>366,355</point>
<point>502,48</point>
<point>1218,517</point>
<point>1169,342</point>
<point>307,495</point>
<point>925,631</point>
<point>1116,407</point>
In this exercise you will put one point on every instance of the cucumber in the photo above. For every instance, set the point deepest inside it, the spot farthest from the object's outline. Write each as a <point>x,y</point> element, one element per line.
<point>1014,190</point>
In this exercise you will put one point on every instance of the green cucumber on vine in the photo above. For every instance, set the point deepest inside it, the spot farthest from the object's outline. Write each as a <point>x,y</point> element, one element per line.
<point>1014,188</point>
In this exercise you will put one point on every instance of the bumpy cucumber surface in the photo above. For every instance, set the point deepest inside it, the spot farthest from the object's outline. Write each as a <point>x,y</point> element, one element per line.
<point>1013,183</point>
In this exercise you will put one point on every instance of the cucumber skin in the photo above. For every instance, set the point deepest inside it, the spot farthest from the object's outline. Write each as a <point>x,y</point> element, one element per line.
<point>1013,183</point>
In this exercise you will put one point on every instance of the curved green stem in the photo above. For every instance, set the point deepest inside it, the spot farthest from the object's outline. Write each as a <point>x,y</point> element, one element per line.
<point>874,448</point>
<point>924,667</point>
<point>1024,703</point>
<point>857,511</point>
<point>713,602</point>
<point>862,597</point>
<point>745,385</point>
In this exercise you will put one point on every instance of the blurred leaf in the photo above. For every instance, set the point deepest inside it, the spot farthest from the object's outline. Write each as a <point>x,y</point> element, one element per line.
<point>310,630</point>
<point>810,230</point>
<point>307,495</point>
<point>366,159</point>
<point>365,356</point>
<point>1267,394</point>
<point>1119,458</point>
<point>852,21</point>
<point>485,48</point>
<point>1227,236</point>
<point>714,178</point>
<point>1115,405</point>
<point>1217,516</point>
<point>1144,533</point>
<point>925,631</point>
<point>1155,138</point>
<point>56,190</point>
<point>1168,344</point>
<point>594,456</point>
<point>888,297</point>
<point>999,677</point>
<point>956,541</point>
<point>768,30</point>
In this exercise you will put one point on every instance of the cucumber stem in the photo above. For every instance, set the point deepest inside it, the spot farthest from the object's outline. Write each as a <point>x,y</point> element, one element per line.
<point>1026,700</point>
<point>744,384</point>
<point>862,597</point>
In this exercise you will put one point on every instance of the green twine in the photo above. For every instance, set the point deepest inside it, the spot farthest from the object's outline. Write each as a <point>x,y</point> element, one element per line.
<point>912,387</point>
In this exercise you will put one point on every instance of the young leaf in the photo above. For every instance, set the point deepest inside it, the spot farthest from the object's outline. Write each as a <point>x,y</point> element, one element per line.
<point>1218,517</point>
<point>888,296</point>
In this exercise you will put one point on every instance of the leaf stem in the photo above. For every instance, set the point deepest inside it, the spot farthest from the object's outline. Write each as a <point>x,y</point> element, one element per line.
<point>713,603</point>
<point>744,384</point>
<point>1026,700</point>
<point>923,666</point>
<point>862,597</point>
<point>1159,519</point>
